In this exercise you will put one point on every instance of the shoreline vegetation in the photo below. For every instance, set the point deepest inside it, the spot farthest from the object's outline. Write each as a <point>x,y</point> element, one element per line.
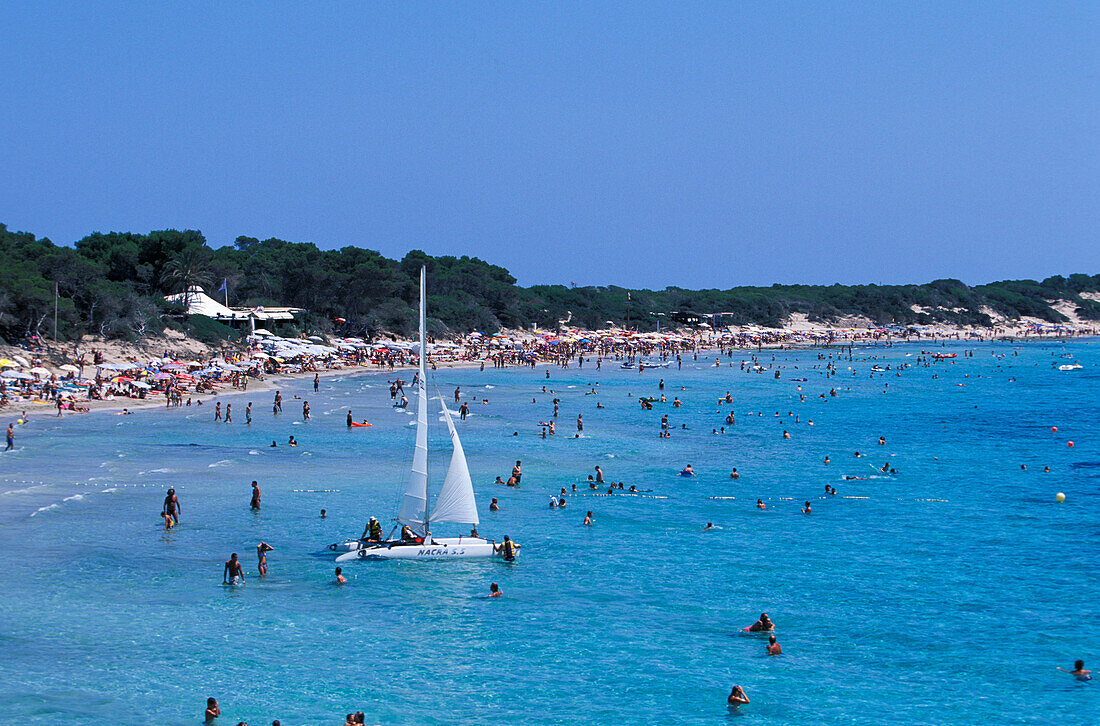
<point>114,286</point>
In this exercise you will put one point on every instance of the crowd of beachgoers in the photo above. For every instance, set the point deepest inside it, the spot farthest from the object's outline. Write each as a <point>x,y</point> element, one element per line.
<point>89,378</point>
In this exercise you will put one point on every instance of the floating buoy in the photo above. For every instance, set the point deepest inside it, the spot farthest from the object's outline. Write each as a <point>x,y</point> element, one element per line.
<point>1060,497</point>
<point>1069,444</point>
<point>1054,429</point>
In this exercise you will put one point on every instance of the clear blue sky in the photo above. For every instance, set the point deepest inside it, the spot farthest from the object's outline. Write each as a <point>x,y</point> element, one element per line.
<point>643,144</point>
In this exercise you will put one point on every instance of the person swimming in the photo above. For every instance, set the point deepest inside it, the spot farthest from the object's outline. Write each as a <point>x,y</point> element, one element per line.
<point>687,471</point>
<point>763,625</point>
<point>806,509</point>
<point>494,590</point>
<point>1078,671</point>
<point>340,579</point>
<point>760,504</point>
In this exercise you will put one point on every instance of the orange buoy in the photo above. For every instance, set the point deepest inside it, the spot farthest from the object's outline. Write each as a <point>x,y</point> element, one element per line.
<point>1069,444</point>
<point>1054,429</point>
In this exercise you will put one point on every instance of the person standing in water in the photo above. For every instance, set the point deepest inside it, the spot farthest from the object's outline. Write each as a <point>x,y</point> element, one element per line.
<point>278,402</point>
<point>737,697</point>
<point>350,419</point>
<point>773,647</point>
<point>11,437</point>
<point>172,507</point>
<point>229,413</point>
<point>218,411</point>
<point>463,411</point>
<point>248,413</point>
<point>316,380</point>
<point>261,554</point>
<point>580,423</point>
<point>233,573</point>
<point>340,579</point>
<point>255,503</point>
<point>305,410</point>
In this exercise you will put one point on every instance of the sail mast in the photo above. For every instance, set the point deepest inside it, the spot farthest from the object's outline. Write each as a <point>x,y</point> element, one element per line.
<point>414,504</point>
<point>423,402</point>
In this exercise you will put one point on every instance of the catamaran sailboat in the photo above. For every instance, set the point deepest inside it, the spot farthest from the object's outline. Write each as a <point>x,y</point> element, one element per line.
<point>455,502</point>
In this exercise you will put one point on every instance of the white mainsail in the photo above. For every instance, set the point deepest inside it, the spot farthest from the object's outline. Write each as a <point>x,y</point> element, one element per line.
<point>455,502</point>
<point>414,504</point>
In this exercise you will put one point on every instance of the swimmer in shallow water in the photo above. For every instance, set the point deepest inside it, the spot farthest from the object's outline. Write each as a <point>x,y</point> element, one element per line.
<point>494,590</point>
<point>773,646</point>
<point>760,504</point>
<point>763,625</point>
<point>709,526</point>
<point>1078,671</point>
<point>340,579</point>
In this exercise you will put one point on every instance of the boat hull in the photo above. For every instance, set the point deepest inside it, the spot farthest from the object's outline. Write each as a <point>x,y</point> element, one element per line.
<point>446,548</point>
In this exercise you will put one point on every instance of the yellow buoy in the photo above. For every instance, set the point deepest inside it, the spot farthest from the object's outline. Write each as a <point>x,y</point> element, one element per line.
<point>1060,497</point>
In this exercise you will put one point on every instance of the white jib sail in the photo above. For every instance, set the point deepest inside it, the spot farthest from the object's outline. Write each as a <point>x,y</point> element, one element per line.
<point>414,504</point>
<point>455,502</point>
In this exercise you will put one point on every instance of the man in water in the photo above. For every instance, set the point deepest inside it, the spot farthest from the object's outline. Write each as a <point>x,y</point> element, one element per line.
<point>599,475</point>
<point>305,410</point>
<point>248,413</point>
<point>172,507</point>
<point>340,579</point>
<point>517,472</point>
<point>773,647</point>
<point>11,437</point>
<point>261,554</point>
<point>278,402</point>
<point>763,625</point>
<point>234,573</point>
<point>760,504</point>
<point>688,471</point>
<point>463,411</point>
<point>350,419</point>
<point>493,506</point>
<point>708,527</point>
<point>1078,671</point>
<point>494,590</point>
<point>588,519</point>
<point>806,509</point>
<point>316,380</point>
<point>507,549</point>
<point>255,503</point>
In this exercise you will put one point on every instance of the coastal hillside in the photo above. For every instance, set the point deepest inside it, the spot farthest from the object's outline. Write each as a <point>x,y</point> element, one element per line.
<point>113,285</point>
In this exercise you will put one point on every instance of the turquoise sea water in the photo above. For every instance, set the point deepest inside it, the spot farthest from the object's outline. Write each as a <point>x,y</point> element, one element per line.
<point>946,594</point>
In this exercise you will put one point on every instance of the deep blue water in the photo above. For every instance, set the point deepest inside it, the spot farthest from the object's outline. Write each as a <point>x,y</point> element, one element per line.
<point>945,594</point>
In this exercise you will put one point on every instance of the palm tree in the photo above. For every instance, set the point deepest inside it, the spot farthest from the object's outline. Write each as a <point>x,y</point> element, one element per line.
<point>186,270</point>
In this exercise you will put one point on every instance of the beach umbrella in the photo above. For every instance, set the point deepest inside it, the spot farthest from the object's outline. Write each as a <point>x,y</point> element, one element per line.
<point>40,371</point>
<point>17,374</point>
<point>69,368</point>
<point>6,363</point>
<point>140,384</point>
<point>20,360</point>
<point>162,376</point>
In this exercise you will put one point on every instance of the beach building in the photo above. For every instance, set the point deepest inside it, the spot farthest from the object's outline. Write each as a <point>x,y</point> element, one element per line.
<point>260,317</point>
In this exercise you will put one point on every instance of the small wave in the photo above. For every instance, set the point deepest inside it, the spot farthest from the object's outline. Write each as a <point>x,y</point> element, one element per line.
<point>75,497</point>
<point>223,462</point>
<point>253,452</point>
<point>25,489</point>
<point>110,489</point>
<point>158,471</point>
<point>46,508</point>
<point>488,386</point>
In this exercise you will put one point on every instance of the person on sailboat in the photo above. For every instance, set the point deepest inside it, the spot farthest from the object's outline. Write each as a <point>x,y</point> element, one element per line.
<point>373,531</point>
<point>407,535</point>
<point>507,549</point>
